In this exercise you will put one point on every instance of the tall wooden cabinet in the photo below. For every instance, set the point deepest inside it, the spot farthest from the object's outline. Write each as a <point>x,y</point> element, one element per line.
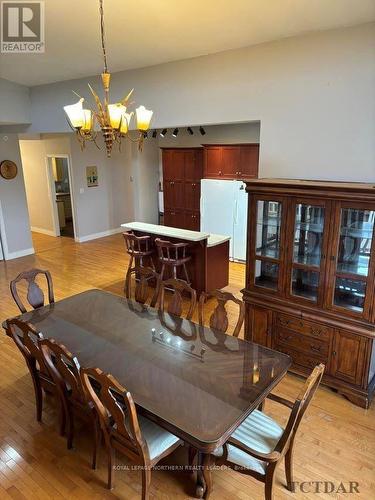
<point>182,173</point>
<point>310,287</point>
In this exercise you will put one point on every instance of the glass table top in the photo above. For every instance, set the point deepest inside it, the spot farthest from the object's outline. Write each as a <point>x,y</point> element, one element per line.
<point>197,382</point>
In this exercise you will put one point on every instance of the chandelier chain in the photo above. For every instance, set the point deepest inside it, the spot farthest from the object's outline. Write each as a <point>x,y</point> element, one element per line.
<point>103,35</point>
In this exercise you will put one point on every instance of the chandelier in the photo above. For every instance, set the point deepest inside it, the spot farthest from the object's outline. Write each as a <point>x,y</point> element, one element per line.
<point>113,119</point>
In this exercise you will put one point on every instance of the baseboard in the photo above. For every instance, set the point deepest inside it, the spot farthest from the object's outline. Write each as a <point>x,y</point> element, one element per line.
<point>19,253</point>
<point>43,231</point>
<point>95,236</point>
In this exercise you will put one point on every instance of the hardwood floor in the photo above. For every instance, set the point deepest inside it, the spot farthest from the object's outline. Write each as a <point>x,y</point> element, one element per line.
<point>336,441</point>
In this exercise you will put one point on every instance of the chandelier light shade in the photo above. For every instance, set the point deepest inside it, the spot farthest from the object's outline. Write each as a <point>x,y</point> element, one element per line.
<point>112,119</point>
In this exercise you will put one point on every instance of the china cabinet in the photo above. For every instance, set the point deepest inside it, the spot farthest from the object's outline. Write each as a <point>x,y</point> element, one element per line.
<point>310,271</point>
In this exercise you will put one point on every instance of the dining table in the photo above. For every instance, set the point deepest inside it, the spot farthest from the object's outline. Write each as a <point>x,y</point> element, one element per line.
<point>194,381</point>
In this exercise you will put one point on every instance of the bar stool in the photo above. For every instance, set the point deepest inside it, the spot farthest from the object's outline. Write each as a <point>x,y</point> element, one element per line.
<point>139,248</point>
<point>172,255</point>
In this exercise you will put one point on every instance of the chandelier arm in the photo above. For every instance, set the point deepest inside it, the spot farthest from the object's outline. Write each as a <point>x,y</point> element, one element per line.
<point>138,139</point>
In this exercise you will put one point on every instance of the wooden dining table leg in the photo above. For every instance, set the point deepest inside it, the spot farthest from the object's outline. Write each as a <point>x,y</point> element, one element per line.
<point>204,476</point>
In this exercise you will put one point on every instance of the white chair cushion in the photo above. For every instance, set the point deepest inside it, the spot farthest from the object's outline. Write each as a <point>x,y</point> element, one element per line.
<point>158,439</point>
<point>258,432</point>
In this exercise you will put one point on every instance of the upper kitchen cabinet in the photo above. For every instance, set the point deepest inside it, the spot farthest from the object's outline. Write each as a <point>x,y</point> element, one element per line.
<point>231,161</point>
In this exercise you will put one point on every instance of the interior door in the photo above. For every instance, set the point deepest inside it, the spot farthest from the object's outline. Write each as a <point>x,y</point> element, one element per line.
<point>308,237</point>
<point>352,263</point>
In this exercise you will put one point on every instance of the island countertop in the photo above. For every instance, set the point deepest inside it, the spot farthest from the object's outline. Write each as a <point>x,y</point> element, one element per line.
<point>174,232</point>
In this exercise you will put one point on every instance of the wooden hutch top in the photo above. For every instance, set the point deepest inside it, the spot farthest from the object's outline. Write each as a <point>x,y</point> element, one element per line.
<point>348,190</point>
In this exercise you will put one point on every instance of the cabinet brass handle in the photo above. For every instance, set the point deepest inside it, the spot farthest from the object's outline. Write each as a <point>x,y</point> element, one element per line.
<point>334,353</point>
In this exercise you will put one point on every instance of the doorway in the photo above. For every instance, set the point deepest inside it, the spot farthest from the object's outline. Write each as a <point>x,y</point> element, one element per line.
<point>59,178</point>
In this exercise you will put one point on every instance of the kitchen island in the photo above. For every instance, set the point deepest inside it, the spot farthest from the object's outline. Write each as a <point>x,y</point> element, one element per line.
<point>209,266</point>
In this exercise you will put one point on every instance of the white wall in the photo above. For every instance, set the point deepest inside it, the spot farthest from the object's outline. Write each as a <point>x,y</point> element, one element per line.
<point>234,133</point>
<point>14,223</point>
<point>14,103</point>
<point>314,96</point>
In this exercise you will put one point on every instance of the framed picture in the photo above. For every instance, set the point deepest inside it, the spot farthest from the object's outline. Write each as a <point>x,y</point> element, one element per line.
<point>92,176</point>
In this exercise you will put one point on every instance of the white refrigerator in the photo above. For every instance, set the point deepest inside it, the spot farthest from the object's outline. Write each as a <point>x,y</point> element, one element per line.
<point>224,211</point>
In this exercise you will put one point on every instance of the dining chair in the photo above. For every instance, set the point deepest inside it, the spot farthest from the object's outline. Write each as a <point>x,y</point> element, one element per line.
<point>124,430</point>
<point>219,318</point>
<point>35,295</point>
<point>26,338</point>
<point>259,444</point>
<point>65,372</point>
<point>175,303</point>
<point>143,290</point>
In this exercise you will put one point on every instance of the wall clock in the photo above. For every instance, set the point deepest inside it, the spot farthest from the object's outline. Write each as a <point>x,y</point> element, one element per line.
<point>8,169</point>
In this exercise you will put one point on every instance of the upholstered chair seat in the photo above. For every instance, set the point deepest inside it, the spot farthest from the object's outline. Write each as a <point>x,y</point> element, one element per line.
<point>258,432</point>
<point>158,440</point>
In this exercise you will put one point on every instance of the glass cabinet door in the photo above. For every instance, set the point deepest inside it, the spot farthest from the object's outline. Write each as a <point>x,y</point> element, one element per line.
<point>356,229</point>
<point>267,244</point>
<point>307,251</point>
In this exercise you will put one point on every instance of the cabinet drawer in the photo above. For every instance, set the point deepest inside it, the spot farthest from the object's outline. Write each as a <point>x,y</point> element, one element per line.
<point>309,328</point>
<point>300,358</point>
<point>301,342</point>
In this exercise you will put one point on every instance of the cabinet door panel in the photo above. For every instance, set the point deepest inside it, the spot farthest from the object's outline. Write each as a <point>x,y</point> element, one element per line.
<point>348,357</point>
<point>249,161</point>
<point>267,243</point>
<point>192,220</point>
<point>174,194</point>
<point>173,165</point>
<point>213,162</point>
<point>231,162</point>
<point>174,218</point>
<point>308,236</point>
<point>193,165</point>
<point>192,195</point>
<point>352,260</point>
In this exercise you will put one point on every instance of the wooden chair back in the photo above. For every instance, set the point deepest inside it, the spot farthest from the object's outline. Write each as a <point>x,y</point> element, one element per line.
<point>176,302</point>
<point>116,410</point>
<point>300,406</point>
<point>219,318</point>
<point>137,246</point>
<point>27,339</point>
<point>171,253</point>
<point>64,369</point>
<point>143,290</point>
<point>35,295</point>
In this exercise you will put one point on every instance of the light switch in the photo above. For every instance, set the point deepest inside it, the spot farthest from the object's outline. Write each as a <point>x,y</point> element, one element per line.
<point>81,190</point>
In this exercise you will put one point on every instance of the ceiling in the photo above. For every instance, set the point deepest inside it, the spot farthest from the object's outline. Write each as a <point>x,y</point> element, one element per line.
<point>144,33</point>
